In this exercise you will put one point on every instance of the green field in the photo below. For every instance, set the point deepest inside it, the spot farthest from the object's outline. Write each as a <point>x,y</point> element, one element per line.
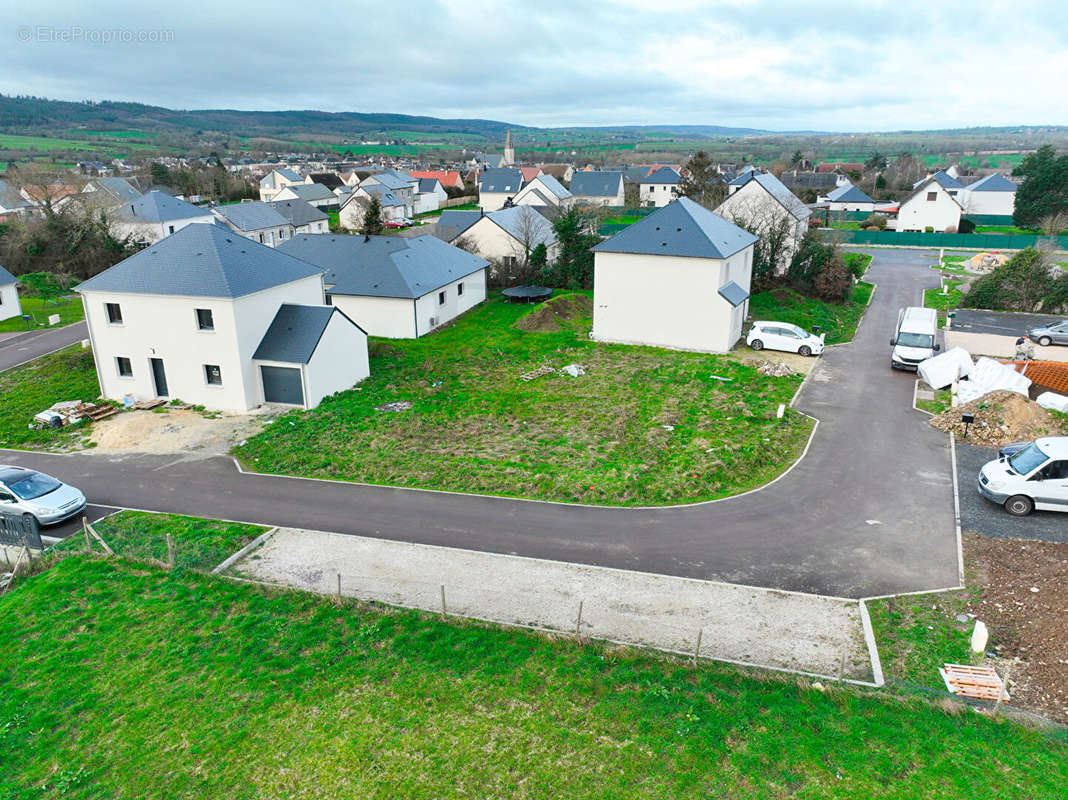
<point>155,685</point>
<point>69,311</point>
<point>839,322</point>
<point>642,426</point>
<point>45,144</point>
<point>31,388</point>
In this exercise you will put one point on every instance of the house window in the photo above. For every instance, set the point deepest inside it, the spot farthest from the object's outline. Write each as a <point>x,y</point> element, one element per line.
<point>114,313</point>
<point>170,229</point>
<point>329,299</point>
<point>441,298</point>
<point>125,368</point>
<point>261,238</point>
<point>281,235</point>
<point>205,321</point>
<point>932,196</point>
<point>509,261</point>
<point>213,374</point>
<point>459,289</point>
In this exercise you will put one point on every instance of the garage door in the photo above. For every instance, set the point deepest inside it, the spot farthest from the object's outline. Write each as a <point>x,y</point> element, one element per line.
<point>282,385</point>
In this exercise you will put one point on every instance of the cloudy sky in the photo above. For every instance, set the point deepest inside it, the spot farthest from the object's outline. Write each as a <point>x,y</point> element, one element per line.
<point>790,65</point>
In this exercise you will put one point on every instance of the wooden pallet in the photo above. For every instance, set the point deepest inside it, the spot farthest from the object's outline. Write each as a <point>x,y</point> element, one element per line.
<point>539,372</point>
<point>981,683</point>
<point>148,405</point>
<point>98,412</point>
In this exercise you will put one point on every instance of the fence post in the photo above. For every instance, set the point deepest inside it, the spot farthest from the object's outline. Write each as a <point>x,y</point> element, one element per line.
<point>697,647</point>
<point>339,587</point>
<point>85,531</point>
<point>443,601</point>
<point>578,623</point>
<point>170,552</point>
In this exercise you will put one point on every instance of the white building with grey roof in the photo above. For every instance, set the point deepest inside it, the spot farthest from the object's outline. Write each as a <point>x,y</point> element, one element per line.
<point>257,221</point>
<point>497,187</point>
<point>9,295</point>
<point>154,216</point>
<point>395,286</point>
<point>760,202</point>
<point>678,278</point>
<point>594,188</point>
<point>208,317</point>
<point>505,237</point>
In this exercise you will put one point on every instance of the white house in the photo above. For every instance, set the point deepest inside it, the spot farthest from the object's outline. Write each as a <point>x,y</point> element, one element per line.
<point>355,205</point>
<point>154,216</point>
<point>504,236</point>
<point>930,207</point>
<point>314,193</point>
<point>544,190</point>
<point>597,188</point>
<point>762,203</point>
<point>275,181</point>
<point>430,195</point>
<point>496,187</point>
<point>11,200</point>
<point>304,217</point>
<point>944,179</point>
<point>677,278</point>
<point>208,317</point>
<point>994,194</point>
<point>847,198</point>
<point>659,188</point>
<point>256,221</point>
<point>9,295</point>
<point>396,286</point>
<point>402,185</point>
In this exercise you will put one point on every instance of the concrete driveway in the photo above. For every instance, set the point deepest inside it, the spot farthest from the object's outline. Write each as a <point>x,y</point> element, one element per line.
<point>868,511</point>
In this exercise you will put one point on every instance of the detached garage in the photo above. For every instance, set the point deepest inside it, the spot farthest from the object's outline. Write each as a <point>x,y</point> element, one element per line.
<point>308,353</point>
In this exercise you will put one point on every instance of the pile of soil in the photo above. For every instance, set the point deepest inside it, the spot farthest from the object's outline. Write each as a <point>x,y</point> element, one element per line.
<point>1000,418</point>
<point>551,315</point>
<point>1024,591</point>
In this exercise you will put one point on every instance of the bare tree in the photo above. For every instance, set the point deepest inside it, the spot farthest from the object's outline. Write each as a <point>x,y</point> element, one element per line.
<point>530,230</point>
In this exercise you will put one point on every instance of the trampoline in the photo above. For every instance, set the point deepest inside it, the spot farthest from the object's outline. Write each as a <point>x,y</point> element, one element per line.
<point>527,294</point>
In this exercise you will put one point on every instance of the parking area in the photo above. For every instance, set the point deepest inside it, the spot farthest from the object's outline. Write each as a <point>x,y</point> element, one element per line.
<point>994,333</point>
<point>981,516</point>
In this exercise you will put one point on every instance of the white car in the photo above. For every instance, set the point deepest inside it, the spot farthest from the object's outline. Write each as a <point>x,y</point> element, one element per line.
<point>1033,477</point>
<point>784,336</point>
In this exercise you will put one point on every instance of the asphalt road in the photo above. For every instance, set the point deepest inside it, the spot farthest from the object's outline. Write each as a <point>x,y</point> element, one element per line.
<point>982,516</point>
<point>16,350</point>
<point>1003,323</point>
<point>868,511</point>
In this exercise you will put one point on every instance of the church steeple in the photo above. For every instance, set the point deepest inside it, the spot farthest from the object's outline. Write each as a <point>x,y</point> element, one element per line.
<point>509,151</point>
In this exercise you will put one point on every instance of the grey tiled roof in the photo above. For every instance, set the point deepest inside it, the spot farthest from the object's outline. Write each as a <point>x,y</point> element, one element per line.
<point>595,184</point>
<point>386,198</point>
<point>391,179</point>
<point>298,212</point>
<point>452,223</point>
<point>251,216</point>
<point>662,175</point>
<point>10,197</point>
<point>119,188</point>
<point>849,193</point>
<point>681,228</point>
<point>158,207</point>
<point>294,333</point>
<point>733,293</point>
<point>289,175</point>
<point>311,192</point>
<point>426,185</point>
<point>201,261</point>
<point>554,186</point>
<point>383,266</point>
<point>943,179</point>
<point>993,183</point>
<point>6,278</point>
<point>500,181</point>
<point>524,222</point>
<point>778,190</point>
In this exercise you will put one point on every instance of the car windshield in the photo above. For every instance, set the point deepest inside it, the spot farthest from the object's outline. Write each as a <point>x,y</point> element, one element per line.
<point>925,340</point>
<point>33,486</point>
<point>1028,459</point>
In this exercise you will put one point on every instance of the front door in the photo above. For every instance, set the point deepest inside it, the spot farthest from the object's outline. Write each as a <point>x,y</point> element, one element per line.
<point>159,377</point>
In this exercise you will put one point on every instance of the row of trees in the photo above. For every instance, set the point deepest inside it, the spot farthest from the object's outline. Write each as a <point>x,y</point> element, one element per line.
<point>66,242</point>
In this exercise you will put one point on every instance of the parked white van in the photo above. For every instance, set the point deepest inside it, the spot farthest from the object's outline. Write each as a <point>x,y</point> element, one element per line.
<point>914,338</point>
<point>1035,476</point>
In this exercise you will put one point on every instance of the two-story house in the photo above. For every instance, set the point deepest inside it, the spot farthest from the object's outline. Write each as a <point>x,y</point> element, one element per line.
<point>154,216</point>
<point>211,318</point>
<point>275,181</point>
<point>256,221</point>
<point>659,187</point>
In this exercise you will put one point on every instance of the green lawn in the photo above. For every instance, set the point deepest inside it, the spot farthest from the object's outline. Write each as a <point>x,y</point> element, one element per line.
<point>198,543</point>
<point>26,390</point>
<point>69,310</point>
<point>1010,229</point>
<point>956,258</point>
<point>839,322</point>
<point>127,680</point>
<point>940,403</point>
<point>461,207</point>
<point>643,426</point>
<point>845,225</point>
<point>933,298</point>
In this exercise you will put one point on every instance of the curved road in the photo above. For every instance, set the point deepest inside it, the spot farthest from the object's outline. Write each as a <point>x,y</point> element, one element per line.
<point>868,511</point>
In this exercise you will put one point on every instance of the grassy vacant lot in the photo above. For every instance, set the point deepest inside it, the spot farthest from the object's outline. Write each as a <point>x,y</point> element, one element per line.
<point>198,543</point>
<point>26,390</point>
<point>642,426</point>
<point>933,298</point>
<point>69,311</point>
<point>839,322</point>
<point>125,680</point>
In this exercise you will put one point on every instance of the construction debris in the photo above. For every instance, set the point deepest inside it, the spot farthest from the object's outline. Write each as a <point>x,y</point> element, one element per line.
<point>398,405</point>
<point>999,418</point>
<point>574,370</point>
<point>538,373</point>
<point>980,683</point>
<point>775,369</point>
<point>71,412</point>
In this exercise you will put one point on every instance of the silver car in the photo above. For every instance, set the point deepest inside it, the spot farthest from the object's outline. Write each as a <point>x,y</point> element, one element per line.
<point>26,491</point>
<point>1054,333</point>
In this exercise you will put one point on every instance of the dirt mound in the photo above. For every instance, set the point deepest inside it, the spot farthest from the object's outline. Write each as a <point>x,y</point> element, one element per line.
<point>552,315</point>
<point>1001,417</point>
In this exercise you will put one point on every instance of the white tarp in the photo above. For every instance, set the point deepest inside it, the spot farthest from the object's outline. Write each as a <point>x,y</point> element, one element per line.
<point>1058,402</point>
<point>991,376</point>
<point>941,370</point>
